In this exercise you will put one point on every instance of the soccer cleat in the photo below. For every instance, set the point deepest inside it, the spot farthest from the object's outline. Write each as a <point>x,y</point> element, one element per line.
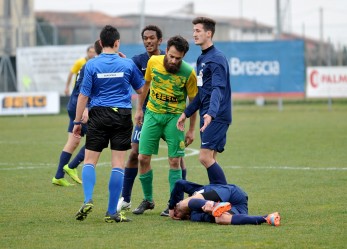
<point>143,207</point>
<point>61,182</point>
<point>117,217</point>
<point>165,212</point>
<point>123,205</point>
<point>72,173</point>
<point>274,219</point>
<point>84,210</point>
<point>220,208</point>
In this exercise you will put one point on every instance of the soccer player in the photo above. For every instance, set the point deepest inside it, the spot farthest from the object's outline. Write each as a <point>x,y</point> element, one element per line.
<point>77,67</point>
<point>73,142</point>
<point>108,82</point>
<point>152,37</point>
<point>225,204</point>
<point>213,99</point>
<point>169,81</point>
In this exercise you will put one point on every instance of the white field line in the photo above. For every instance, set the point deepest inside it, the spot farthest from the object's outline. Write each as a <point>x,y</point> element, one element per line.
<point>29,165</point>
<point>189,152</point>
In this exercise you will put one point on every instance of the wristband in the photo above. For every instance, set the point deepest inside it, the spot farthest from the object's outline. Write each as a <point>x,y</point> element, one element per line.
<point>77,122</point>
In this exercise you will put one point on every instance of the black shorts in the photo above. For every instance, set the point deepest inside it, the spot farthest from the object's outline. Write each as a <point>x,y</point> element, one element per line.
<point>106,125</point>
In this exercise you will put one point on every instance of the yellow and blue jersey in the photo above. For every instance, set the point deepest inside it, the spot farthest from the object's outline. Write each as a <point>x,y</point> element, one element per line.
<point>78,65</point>
<point>168,92</point>
<point>141,61</point>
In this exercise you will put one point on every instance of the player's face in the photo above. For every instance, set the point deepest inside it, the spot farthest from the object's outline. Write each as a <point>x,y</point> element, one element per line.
<point>151,41</point>
<point>91,53</point>
<point>200,35</point>
<point>173,60</point>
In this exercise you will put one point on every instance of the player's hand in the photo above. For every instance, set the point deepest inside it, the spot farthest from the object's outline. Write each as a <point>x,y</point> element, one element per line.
<point>122,55</point>
<point>139,117</point>
<point>190,135</point>
<point>207,121</point>
<point>76,132</point>
<point>172,214</point>
<point>85,116</point>
<point>208,207</point>
<point>180,122</point>
<point>67,91</point>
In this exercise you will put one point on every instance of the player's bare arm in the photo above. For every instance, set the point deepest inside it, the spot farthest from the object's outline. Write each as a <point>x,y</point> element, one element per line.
<point>180,122</point>
<point>190,135</point>
<point>140,100</point>
<point>81,105</point>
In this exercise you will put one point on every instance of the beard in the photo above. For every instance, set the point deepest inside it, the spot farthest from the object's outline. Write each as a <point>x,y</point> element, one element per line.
<point>171,68</point>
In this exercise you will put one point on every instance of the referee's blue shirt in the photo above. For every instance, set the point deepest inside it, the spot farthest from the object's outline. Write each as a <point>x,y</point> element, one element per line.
<point>109,79</point>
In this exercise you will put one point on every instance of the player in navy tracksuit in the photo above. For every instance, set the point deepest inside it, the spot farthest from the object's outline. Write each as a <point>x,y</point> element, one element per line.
<point>194,207</point>
<point>213,99</point>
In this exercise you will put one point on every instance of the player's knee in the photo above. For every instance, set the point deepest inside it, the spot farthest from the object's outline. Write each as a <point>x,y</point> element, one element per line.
<point>204,160</point>
<point>144,160</point>
<point>224,219</point>
<point>74,142</point>
<point>133,157</point>
<point>174,162</point>
<point>180,182</point>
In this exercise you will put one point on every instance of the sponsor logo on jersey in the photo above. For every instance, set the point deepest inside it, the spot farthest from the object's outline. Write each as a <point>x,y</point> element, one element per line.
<point>110,75</point>
<point>163,97</point>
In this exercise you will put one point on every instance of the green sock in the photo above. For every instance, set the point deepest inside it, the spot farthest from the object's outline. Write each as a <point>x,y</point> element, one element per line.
<point>174,175</point>
<point>147,185</point>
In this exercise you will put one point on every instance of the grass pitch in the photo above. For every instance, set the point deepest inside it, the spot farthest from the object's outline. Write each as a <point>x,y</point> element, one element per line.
<point>292,161</point>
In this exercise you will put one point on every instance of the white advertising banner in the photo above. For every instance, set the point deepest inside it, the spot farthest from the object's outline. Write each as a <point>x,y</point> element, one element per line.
<point>46,68</point>
<point>326,82</point>
<point>29,103</point>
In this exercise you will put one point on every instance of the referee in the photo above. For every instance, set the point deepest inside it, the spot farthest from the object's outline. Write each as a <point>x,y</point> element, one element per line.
<point>107,87</point>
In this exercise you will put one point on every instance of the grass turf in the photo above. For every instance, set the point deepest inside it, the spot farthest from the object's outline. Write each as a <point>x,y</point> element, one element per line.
<point>292,161</point>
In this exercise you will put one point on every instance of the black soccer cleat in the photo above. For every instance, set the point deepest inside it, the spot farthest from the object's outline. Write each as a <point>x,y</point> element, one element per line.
<point>143,207</point>
<point>84,210</point>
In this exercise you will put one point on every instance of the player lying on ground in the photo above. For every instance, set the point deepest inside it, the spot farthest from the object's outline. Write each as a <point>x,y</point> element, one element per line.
<point>225,204</point>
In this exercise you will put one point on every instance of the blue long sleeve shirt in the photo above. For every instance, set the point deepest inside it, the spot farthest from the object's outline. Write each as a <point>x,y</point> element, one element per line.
<point>214,95</point>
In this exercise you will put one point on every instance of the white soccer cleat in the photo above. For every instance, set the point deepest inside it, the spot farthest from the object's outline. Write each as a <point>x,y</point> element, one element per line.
<point>123,205</point>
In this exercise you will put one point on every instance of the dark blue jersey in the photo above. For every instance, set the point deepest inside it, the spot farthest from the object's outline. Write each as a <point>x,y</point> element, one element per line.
<point>140,61</point>
<point>226,192</point>
<point>71,105</point>
<point>214,96</point>
<point>108,80</point>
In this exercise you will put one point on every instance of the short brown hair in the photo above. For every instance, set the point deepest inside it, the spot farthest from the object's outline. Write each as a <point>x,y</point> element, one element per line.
<point>208,23</point>
<point>97,47</point>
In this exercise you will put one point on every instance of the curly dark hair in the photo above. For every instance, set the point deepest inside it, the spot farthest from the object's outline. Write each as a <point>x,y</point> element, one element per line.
<point>179,43</point>
<point>153,28</point>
